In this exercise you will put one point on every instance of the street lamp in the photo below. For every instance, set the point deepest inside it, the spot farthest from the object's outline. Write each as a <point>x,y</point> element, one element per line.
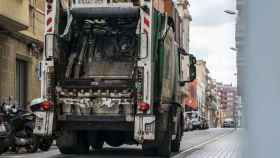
<point>233,49</point>
<point>230,12</point>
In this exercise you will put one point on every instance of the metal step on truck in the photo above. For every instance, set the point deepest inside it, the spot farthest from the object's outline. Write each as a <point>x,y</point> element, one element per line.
<point>111,73</point>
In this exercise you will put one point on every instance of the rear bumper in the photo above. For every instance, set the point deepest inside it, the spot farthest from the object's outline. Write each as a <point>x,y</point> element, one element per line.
<point>92,118</point>
<point>108,123</point>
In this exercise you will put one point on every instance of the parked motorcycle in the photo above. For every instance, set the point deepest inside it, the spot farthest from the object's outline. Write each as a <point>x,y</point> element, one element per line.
<point>17,129</point>
<point>3,134</point>
<point>37,105</point>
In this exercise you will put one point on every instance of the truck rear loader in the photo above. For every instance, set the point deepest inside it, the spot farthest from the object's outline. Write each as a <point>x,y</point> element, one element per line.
<point>112,73</point>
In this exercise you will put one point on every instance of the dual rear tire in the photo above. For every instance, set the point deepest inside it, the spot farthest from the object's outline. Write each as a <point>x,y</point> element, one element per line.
<point>73,143</point>
<point>165,145</point>
<point>163,149</point>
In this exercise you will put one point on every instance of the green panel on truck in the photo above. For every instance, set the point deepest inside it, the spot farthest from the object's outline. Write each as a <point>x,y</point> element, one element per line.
<point>158,52</point>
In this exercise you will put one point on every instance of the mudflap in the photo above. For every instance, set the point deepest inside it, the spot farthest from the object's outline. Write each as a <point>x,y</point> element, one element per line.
<point>43,123</point>
<point>144,128</point>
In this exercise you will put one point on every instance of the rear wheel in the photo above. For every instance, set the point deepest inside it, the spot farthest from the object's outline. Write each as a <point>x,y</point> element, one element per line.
<point>3,148</point>
<point>82,146</point>
<point>115,139</point>
<point>164,147</point>
<point>33,146</point>
<point>175,147</point>
<point>66,150</point>
<point>149,150</point>
<point>98,145</point>
<point>45,143</point>
<point>66,141</point>
<point>71,142</point>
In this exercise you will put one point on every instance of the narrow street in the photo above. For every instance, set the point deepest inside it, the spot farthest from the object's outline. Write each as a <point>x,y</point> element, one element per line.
<point>212,143</point>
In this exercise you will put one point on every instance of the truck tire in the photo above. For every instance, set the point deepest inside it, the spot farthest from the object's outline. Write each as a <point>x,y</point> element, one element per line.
<point>45,143</point>
<point>66,142</point>
<point>114,139</point>
<point>82,146</point>
<point>66,150</point>
<point>71,142</point>
<point>164,147</point>
<point>149,150</point>
<point>4,147</point>
<point>98,145</point>
<point>175,146</point>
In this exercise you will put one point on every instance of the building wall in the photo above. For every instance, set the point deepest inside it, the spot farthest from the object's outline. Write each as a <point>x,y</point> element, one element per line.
<point>182,7</point>
<point>12,49</point>
<point>14,12</point>
<point>24,45</point>
<point>201,78</point>
<point>229,100</point>
<point>36,17</point>
<point>212,102</point>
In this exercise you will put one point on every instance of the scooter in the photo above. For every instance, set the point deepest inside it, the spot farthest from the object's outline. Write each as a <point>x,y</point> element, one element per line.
<point>17,129</point>
<point>45,142</point>
<point>3,134</point>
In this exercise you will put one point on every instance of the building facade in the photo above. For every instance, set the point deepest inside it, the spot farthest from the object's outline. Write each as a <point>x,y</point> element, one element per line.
<point>201,78</point>
<point>212,103</point>
<point>21,46</point>
<point>229,101</point>
<point>182,7</point>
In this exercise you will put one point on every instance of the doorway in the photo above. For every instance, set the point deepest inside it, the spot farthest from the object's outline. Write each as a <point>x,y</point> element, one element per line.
<point>21,82</point>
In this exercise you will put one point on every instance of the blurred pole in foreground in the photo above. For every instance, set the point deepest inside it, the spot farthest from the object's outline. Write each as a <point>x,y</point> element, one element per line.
<point>261,78</point>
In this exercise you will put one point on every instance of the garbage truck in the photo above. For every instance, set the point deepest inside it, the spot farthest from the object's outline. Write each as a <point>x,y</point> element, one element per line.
<point>111,73</point>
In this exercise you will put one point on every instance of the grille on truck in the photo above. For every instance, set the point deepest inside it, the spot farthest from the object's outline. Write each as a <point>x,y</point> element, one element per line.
<point>96,102</point>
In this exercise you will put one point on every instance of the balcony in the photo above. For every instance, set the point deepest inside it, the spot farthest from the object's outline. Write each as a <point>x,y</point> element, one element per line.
<point>14,14</point>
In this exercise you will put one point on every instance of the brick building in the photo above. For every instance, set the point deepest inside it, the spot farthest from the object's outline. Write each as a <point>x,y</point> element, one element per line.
<point>21,45</point>
<point>212,103</point>
<point>201,78</point>
<point>228,100</point>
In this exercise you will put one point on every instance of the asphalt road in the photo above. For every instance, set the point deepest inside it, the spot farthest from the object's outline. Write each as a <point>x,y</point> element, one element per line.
<point>194,142</point>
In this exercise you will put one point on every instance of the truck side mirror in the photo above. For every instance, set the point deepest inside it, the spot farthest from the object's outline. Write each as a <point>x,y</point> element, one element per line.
<point>192,70</point>
<point>192,74</point>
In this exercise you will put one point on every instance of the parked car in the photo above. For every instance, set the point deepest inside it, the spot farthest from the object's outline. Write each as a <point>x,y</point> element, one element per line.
<point>196,120</point>
<point>199,121</point>
<point>188,121</point>
<point>229,123</point>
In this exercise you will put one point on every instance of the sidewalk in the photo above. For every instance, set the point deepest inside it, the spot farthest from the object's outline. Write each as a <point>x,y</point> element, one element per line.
<point>227,147</point>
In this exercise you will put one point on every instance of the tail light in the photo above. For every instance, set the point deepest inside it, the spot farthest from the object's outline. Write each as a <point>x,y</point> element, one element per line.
<point>144,107</point>
<point>46,105</point>
<point>41,105</point>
